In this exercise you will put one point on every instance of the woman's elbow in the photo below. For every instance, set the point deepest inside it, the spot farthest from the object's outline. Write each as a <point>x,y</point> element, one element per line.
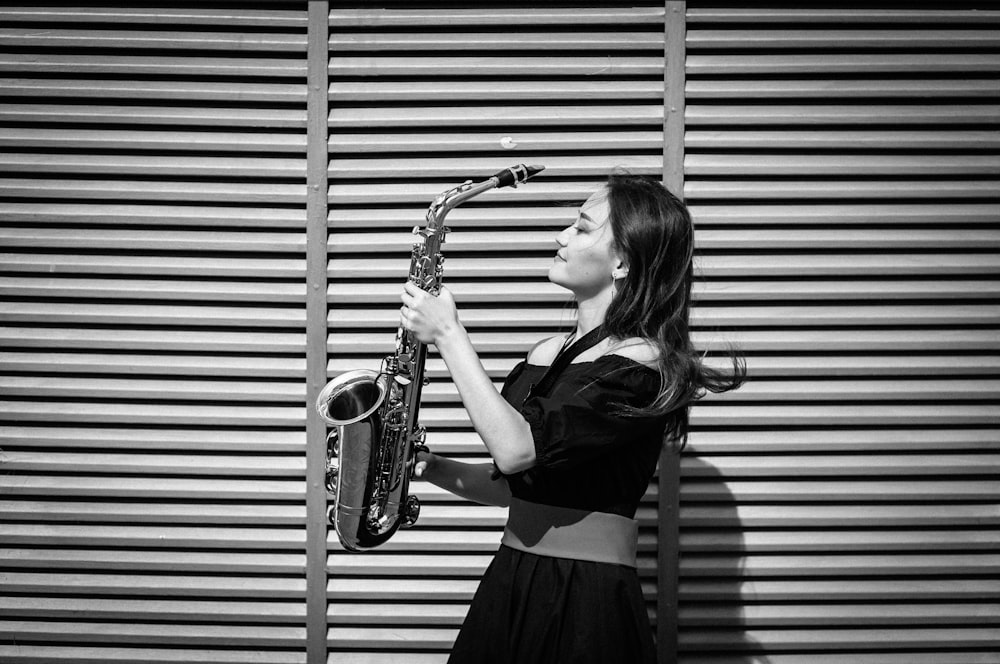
<point>508,465</point>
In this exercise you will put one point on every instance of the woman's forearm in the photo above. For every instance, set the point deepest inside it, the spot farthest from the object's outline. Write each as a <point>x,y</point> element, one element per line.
<point>472,481</point>
<point>504,430</point>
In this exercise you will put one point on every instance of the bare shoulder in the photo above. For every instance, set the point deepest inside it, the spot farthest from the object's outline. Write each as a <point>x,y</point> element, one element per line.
<point>638,349</point>
<point>545,350</point>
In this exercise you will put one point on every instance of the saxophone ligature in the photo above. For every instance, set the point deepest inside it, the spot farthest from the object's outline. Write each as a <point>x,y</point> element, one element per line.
<point>371,449</point>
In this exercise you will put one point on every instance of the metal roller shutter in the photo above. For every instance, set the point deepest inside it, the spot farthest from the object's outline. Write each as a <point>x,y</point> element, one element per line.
<point>420,100</point>
<point>841,165</point>
<point>153,334</point>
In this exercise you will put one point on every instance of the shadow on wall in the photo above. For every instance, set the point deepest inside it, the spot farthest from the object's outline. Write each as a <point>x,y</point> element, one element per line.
<point>713,626</point>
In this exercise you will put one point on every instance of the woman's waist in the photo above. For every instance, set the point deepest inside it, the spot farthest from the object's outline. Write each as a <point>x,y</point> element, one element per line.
<point>564,532</point>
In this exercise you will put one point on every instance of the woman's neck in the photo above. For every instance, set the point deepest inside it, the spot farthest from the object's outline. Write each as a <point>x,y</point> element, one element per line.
<point>591,312</point>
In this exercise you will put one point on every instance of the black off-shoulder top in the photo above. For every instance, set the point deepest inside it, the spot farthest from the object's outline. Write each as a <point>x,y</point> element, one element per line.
<point>589,455</point>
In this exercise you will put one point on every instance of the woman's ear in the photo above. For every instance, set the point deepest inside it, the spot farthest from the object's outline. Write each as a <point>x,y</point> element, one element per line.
<point>620,271</point>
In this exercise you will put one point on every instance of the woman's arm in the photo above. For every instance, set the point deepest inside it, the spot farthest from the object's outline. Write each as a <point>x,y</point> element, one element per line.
<point>472,481</point>
<point>505,432</point>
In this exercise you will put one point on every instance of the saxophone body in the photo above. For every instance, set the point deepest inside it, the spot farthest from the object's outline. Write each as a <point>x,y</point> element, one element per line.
<point>371,449</point>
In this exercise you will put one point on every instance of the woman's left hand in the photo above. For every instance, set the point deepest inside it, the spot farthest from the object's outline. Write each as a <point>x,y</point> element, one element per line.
<point>429,317</point>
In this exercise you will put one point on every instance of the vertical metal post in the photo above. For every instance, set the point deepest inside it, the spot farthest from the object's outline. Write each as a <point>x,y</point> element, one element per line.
<point>316,328</point>
<point>668,544</point>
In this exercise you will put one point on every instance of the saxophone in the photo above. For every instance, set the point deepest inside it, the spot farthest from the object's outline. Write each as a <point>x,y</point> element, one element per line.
<point>371,451</point>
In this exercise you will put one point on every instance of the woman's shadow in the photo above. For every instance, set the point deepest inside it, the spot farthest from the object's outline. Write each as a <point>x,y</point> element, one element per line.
<point>712,619</point>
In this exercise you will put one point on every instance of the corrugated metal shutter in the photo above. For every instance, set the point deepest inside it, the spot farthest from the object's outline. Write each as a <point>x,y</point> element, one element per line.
<point>153,334</point>
<point>422,99</point>
<point>841,165</point>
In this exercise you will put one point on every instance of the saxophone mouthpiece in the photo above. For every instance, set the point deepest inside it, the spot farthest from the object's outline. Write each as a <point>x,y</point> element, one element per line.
<point>515,175</point>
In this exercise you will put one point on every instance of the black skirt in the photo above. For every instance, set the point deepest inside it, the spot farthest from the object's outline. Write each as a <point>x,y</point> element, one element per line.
<point>532,608</point>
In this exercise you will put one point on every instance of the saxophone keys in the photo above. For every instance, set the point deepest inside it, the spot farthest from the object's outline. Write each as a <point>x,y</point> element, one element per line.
<point>411,512</point>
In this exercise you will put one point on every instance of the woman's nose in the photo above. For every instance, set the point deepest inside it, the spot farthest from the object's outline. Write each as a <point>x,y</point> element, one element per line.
<point>562,239</point>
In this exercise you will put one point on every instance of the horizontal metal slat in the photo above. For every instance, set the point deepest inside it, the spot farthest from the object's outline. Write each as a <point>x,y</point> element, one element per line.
<point>968,140</point>
<point>727,538</point>
<point>420,41</point>
<point>376,117</point>
<point>819,566</point>
<point>841,63</point>
<point>201,513</point>
<point>165,39</point>
<point>859,515</point>
<point>41,213</point>
<point>76,654</point>
<point>845,639</point>
<point>858,189</point>
<point>822,15</point>
<point>502,93</point>
<point>146,314</point>
<point>803,216</point>
<point>137,289</point>
<point>255,587</point>
<point>104,655</point>
<point>881,465</point>
<point>188,240</point>
<point>152,413</point>
<point>382,17</point>
<point>161,266</point>
<point>214,536</point>
<point>751,165</point>
<point>842,589</point>
<point>56,63</point>
<point>184,562</point>
<point>473,141</point>
<point>392,638</point>
<point>789,487</point>
<point>206,116</point>
<point>210,611</point>
<point>156,16</point>
<point>102,88</point>
<point>490,65</point>
<point>848,115</point>
<point>142,340</point>
<point>135,166</point>
<point>825,38</point>
<point>820,615</point>
<point>161,439</point>
<point>171,365</point>
<point>843,89</point>
<point>459,167</point>
<point>193,191</point>
<point>163,487</point>
<point>158,634</point>
<point>362,613</point>
<point>708,443</point>
<point>48,461</point>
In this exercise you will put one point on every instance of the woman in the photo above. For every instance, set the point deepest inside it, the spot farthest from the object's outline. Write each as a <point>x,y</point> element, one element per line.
<point>576,432</point>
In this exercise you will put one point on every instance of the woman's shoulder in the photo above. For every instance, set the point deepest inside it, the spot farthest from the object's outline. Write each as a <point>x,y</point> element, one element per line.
<point>545,351</point>
<point>637,349</point>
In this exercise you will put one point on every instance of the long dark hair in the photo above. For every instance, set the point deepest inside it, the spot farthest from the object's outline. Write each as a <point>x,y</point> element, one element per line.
<point>654,236</point>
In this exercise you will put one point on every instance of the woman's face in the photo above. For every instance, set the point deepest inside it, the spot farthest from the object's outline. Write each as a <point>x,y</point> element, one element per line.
<point>586,256</point>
